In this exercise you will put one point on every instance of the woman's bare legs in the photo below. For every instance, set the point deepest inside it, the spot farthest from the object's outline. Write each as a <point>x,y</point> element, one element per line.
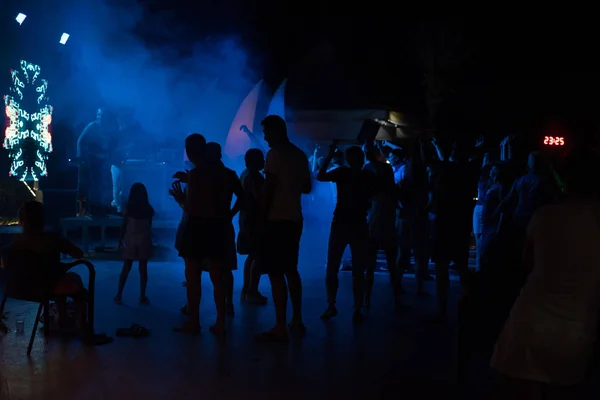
<point>143,265</point>
<point>127,264</point>
<point>255,279</point>
<point>194,292</point>
<point>216,276</point>
<point>247,277</point>
<point>250,291</point>
<point>228,287</point>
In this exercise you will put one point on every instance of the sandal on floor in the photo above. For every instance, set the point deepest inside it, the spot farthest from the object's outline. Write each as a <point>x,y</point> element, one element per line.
<point>139,331</point>
<point>117,299</point>
<point>272,337</point>
<point>135,331</point>
<point>144,300</point>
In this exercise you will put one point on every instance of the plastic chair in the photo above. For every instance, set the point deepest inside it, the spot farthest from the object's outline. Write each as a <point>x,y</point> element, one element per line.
<point>17,285</point>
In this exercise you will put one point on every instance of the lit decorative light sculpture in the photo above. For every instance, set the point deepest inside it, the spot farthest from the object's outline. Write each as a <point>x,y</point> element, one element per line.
<point>29,116</point>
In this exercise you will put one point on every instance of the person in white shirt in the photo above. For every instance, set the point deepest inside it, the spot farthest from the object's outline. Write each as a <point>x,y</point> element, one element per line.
<point>287,177</point>
<point>548,341</point>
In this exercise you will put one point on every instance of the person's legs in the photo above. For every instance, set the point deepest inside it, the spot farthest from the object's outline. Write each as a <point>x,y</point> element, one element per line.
<point>143,266</point>
<point>280,259</point>
<point>280,296</point>
<point>293,234</point>
<point>228,287</point>
<point>127,264</point>
<point>335,252</point>
<point>443,243</point>
<point>391,255</point>
<point>193,292</point>
<point>70,285</point>
<point>252,275</point>
<point>371,264</point>
<point>116,187</point>
<point>255,279</point>
<point>359,249</point>
<point>219,293</point>
<point>403,237</point>
<point>247,277</point>
<point>294,284</point>
<point>442,285</point>
<point>420,245</point>
<point>460,252</point>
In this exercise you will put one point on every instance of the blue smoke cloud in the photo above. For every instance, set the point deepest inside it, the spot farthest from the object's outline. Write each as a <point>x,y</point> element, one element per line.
<point>170,88</point>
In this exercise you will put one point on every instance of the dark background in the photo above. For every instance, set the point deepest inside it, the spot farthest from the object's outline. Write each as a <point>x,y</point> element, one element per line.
<point>500,76</point>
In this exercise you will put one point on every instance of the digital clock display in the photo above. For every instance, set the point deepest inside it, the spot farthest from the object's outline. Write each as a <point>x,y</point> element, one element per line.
<point>554,141</point>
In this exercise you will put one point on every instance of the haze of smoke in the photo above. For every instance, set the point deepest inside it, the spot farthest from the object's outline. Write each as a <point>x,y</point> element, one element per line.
<point>170,94</point>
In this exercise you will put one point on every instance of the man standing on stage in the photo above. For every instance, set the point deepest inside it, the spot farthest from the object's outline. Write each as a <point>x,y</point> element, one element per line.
<point>94,148</point>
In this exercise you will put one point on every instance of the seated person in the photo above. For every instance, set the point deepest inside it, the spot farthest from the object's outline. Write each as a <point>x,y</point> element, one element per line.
<point>37,253</point>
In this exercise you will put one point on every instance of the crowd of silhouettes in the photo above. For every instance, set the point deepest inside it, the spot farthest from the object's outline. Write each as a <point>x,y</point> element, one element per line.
<point>535,316</point>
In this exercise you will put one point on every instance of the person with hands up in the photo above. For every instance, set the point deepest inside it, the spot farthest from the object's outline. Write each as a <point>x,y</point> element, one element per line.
<point>349,225</point>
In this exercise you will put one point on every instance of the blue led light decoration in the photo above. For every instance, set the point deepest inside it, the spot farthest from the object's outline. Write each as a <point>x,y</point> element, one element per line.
<point>28,118</point>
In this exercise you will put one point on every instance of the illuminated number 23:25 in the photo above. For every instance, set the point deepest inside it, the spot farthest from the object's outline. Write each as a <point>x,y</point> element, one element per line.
<point>554,141</point>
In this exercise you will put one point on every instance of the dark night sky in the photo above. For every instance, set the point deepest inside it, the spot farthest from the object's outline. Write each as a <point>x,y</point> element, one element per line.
<point>516,72</point>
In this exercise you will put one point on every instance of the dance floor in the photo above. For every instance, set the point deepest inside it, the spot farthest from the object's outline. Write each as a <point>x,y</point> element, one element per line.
<point>393,355</point>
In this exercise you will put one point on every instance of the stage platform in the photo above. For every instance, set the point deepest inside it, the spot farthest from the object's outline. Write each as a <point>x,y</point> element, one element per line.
<point>84,224</point>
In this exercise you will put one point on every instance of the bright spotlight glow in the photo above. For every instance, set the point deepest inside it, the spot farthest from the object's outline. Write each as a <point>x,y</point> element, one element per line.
<point>64,38</point>
<point>20,18</point>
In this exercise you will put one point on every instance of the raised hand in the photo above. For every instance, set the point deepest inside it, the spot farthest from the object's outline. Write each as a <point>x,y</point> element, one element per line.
<point>177,192</point>
<point>332,148</point>
<point>181,176</point>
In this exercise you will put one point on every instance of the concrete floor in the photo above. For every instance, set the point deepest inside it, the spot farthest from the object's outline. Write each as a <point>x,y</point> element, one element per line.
<point>392,355</point>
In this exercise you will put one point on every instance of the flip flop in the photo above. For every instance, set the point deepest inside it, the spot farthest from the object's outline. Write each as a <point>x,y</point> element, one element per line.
<point>139,331</point>
<point>135,331</point>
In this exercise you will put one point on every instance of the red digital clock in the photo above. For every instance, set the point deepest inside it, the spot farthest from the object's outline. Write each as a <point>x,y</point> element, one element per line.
<point>554,140</point>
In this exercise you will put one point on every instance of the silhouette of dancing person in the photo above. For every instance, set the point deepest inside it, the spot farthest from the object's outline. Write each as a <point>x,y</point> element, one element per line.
<point>287,178</point>
<point>382,222</point>
<point>248,244</point>
<point>349,226</point>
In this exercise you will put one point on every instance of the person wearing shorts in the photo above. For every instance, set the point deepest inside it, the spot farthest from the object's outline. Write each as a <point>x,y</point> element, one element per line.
<point>287,178</point>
